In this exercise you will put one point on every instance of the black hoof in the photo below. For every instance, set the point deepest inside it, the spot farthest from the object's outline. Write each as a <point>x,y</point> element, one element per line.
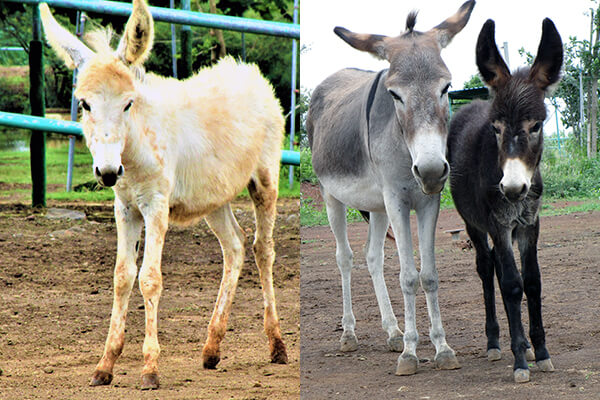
<point>278,352</point>
<point>101,378</point>
<point>210,362</point>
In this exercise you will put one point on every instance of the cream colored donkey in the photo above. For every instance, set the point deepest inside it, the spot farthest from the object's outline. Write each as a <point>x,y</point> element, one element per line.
<point>176,151</point>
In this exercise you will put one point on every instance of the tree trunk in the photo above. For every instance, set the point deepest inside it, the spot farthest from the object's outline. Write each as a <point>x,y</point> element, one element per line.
<point>594,90</point>
<point>222,49</point>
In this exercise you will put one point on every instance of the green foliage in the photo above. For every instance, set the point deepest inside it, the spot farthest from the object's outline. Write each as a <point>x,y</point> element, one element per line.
<point>14,92</point>
<point>570,177</point>
<point>307,174</point>
<point>474,82</point>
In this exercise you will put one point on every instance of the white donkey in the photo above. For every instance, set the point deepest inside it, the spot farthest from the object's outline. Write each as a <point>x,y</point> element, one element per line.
<point>176,151</point>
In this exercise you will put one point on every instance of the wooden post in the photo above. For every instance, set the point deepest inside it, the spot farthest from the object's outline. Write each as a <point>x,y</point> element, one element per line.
<point>38,108</point>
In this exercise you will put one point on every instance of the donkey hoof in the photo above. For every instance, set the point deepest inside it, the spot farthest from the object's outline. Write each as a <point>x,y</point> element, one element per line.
<point>348,342</point>
<point>521,375</point>
<point>149,382</point>
<point>529,354</point>
<point>210,361</point>
<point>545,365</point>
<point>395,344</point>
<point>101,378</point>
<point>446,360</point>
<point>407,365</point>
<point>278,353</point>
<point>494,355</point>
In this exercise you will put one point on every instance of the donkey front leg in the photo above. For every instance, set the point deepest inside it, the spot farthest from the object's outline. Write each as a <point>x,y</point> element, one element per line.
<point>426,221</point>
<point>399,214</point>
<point>232,239</point>
<point>129,227</point>
<point>156,218</point>
<point>336,213</point>
<point>527,238</point>
<point>378,226</point>
<point>511,287</point>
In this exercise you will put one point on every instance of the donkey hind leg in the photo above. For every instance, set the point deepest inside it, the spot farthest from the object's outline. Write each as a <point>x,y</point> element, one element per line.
<point>336,213</point>
<point>427,215</point>
<point>232,239</point>
<point>263,192</point>
<point>129,228</point>
<point>527,237</point>
<point>485,268</point>
<point>399,215</point>
<point>378,225</point>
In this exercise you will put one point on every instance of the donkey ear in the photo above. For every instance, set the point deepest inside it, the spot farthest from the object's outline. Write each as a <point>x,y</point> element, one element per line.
<point>73,52</point>
<point>454,24</point>
<point>491,66</point>
<point>136,43</point>
<point>373,44</point>
<point>546,68</point>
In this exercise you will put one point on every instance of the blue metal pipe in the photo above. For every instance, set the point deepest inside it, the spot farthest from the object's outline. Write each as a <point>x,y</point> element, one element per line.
<point>74,128</point>
<point>180,17</point>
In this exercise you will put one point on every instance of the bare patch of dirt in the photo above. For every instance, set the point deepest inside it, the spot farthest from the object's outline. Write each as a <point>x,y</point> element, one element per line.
<point>569,250</point>
<point>56,290</point>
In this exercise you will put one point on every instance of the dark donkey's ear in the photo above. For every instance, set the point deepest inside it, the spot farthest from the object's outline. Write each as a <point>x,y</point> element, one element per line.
<point>491,66</point>
<point>548,62</point>
<point>373,44</point>
<point>454,24</point>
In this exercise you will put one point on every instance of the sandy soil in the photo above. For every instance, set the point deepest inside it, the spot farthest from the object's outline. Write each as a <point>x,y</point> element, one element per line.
<point>56,290</point>
<point>569,254</point>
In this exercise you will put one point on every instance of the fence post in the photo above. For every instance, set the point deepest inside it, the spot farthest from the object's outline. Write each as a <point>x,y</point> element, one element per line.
<point>186,46</point>
<point>293,100</point>
<point>38,108</point>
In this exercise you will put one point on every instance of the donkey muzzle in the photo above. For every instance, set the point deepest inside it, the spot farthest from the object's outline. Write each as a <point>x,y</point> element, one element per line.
<point>431,175</point>
<point>108,176</point>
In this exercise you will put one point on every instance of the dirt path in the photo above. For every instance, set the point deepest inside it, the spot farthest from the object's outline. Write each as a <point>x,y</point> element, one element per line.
<point>569,254</point>
<point>56,291</point>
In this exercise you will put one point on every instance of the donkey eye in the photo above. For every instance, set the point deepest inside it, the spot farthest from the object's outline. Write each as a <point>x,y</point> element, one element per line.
<point>128,106</point>
<point>396,96</point>
<point>84,105</point>
<point>446,88</point>
<point>536,127</point>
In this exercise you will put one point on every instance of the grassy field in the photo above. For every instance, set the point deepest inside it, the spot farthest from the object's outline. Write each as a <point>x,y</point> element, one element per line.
<point>15,176</point>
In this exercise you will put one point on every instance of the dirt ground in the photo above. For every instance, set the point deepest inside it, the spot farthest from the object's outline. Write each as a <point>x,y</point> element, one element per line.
<point>569,255</point>
<point>56,296</point>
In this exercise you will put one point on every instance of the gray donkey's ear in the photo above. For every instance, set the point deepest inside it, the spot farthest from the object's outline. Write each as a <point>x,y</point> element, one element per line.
<point>66,45</point>
<point>454,24</point>
<point>136,43</point>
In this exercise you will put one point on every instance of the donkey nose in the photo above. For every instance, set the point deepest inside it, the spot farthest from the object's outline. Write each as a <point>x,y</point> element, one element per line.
<point>432,171</point>
<point>108,177</point>
<point>514,192</point>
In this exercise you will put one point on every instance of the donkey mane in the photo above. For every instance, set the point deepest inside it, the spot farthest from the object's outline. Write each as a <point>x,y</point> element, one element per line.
<point>411,20</point>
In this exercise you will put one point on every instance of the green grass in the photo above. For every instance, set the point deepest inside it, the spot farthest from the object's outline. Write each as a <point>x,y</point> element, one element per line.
<point>15,169</point>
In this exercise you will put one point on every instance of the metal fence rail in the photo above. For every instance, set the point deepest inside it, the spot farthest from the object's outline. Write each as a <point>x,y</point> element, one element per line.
<point>74,128</point>
<point>179,17</point>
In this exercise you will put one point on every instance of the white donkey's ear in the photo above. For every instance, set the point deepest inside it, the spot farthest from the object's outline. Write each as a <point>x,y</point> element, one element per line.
<point>136,43</point>
<point>66,45</point>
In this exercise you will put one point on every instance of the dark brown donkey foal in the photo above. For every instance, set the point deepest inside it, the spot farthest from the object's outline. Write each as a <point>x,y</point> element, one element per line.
<point>494,150</point>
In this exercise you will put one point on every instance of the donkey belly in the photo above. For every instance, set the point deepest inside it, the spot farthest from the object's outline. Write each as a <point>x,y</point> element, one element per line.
<point>360,193</point>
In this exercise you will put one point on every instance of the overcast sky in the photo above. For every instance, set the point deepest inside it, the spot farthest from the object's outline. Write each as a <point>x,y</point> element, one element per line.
<point>518,22</point>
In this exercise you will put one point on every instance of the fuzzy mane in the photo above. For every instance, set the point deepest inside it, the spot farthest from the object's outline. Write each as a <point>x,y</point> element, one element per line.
<point>411,20</point>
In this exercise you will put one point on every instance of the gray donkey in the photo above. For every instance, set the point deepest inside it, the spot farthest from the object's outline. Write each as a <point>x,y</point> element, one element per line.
<point>378,144</point>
